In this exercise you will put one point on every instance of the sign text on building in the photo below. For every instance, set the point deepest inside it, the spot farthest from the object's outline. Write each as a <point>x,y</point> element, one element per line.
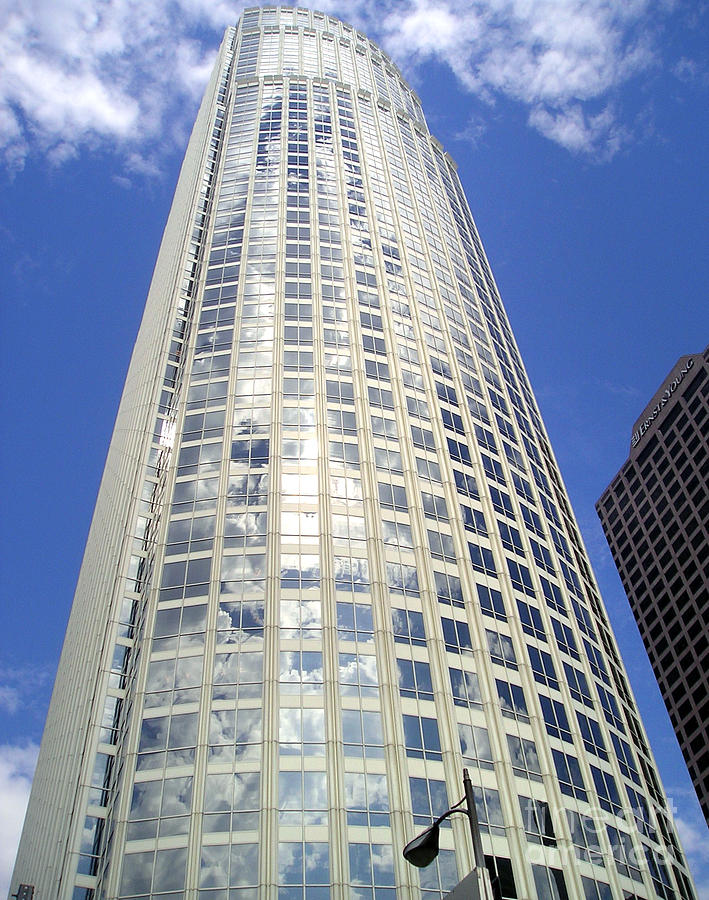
<point>657,408</point>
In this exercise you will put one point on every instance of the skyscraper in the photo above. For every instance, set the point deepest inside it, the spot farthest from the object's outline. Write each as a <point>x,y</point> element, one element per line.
<point>332,559</point>
<point>655,514</point>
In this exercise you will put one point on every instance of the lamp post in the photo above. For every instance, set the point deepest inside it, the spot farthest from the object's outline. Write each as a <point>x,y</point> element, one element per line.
<point>422,850</point>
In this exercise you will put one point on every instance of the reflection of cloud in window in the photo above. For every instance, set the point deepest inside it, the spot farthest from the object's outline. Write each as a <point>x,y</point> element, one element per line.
<point>317,863</point>
<point>177,796</point>
<point>214,866</point>
<point>222,726</point>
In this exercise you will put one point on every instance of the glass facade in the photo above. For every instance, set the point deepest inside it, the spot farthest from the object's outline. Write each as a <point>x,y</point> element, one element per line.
<point>332,560</point>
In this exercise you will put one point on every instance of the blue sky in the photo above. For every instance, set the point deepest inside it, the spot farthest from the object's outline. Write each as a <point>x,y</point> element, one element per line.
<point>580,130</point>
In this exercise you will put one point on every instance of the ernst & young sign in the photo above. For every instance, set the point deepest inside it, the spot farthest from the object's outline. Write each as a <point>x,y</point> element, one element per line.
<point>662,401</point>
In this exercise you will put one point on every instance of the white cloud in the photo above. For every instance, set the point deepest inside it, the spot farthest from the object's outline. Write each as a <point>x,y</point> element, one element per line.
<point>9,698</point>
<point>76,73</point>
<point>694,839</point>
<point>19,687</point>
<point>129,73</point>
<point>691,71</point>
<point>554,56</point>
<point>16,769</point>
<point>692,830</point>
<point>580,132</point>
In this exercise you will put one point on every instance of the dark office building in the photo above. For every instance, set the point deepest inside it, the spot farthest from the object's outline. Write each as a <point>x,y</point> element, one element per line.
<point>655,514</point>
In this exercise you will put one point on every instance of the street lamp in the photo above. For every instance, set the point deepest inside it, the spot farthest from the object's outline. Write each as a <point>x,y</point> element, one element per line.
<point>422,850</point>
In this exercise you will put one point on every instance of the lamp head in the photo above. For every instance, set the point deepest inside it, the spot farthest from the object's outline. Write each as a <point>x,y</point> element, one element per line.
<point>422,850</point>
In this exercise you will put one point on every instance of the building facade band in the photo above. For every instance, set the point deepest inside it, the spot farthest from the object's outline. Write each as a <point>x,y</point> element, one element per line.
<point>655,515</point>
<point>332,560</point>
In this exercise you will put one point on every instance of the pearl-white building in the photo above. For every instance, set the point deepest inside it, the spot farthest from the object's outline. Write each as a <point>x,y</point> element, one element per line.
<point>332,559</point>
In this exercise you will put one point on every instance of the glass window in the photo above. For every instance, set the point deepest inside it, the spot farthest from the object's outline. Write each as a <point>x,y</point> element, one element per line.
<point>366,799</point>
<point>456,635</point>
<point>626,760</point>
<point>537,820</point>
<point>596,890</point>
<point>402,579</point>
<point>531,620</point>
<point>524,757</point>
<point>351,574</point>
<point>555,718</point>
<point>235,733</point>
<point>578,685</point>
<point>565,638</point>
<point>449,589</point>
<point>362,733</point>
<point>592,736</point>
<point>421,737</point>
<point>607,791</point>
<point>358,675</point>
<point>473,520</point>
<point>408,627</point>
<point>303,865</point>
<point>520,577</point>
<point>501,877</point>
<point>238,675</point>
<point>397,534</point>
<point>466,484</point>
<point>301,619</point>
<point>302,798</point>
<point>549,883</point>
<point>489,810</point>
<point>441,546</point>
<point>136,877</point>
<point>429,799</point>
<point>415,679</point>
<point>542,667</point>
<point>553,596</point>
<point>610,708</point>
<point>482,560</point>
<point>232,799</point>
<point>301,731</point>
<point>434,507</point>
<point>475,746</point>
<point>512,700</point>
<point>501,649</point>
<point>372,866</point>
<point>491,602</point>
<point>465,687</point>
<point>440,877</point>
<point>240,621</point>
<point>624,853</point>
<point>569,774</point>
<point>393,496</point>
<point>584,837</point>
<point>641,813</point>
<point>174,681</point>
<point>354,622</point>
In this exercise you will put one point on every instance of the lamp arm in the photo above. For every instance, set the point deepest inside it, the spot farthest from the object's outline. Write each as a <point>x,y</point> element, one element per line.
<point>449,812</point>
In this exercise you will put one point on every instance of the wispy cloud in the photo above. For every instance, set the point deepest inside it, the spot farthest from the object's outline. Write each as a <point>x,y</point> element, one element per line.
<point>17,764</point>
<point>20,686</point>
<point>695,841</point>
<point>9,698</point>
<point>691,71</point>
<point>129,73</point>
<point>693,834</point>
<point>564,61</point>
